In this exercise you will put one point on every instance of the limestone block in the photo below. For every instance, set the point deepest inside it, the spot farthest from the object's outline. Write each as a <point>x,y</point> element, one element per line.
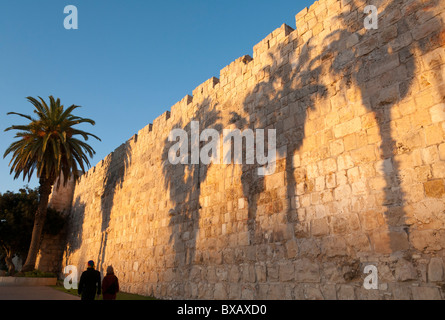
<point>291,248</point>
<point>336,147</point>
<point>434,135</point>
<point>434,188</point>
<point>385,64</point>
<point>426,293</point>
<point>438,170</point>
<point>306,271</point>
<point>427,240</point>
<point>345,223</point>
<point>287,271</point>
<point>344,161</point>
<point>348,127</point>
<point>401,291</point>
<point>220,292</point>
<point>313,293</point>
<point>435,269</point>
<point>330,181</point>
<point>363,155</point>
<point>442,151</point>
<point>275,180</point>
<point>426,28</point>
<point>437,113</point>
<point>345,292</point>
<point>329,292</point>
<point>319,227</point>
<point>333,246</point>
<point>358,241</point>
<point>342,192</point>
<point>327,166</point>
<point>405,271</point>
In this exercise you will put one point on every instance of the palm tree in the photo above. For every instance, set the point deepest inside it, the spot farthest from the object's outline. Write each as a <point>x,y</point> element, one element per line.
<point>48,145</point>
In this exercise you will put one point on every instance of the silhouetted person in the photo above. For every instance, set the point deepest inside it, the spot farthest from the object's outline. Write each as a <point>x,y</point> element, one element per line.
<point>89,283</point>
<point>110,285</point>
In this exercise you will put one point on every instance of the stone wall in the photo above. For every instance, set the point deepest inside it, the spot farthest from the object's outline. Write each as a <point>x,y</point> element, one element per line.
<point>359,180</point>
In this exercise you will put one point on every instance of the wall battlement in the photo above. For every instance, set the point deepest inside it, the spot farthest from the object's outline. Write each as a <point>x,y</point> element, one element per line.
<point>360,124</point>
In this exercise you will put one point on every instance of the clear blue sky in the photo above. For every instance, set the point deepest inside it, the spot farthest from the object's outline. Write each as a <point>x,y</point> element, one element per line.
<point>128,61</point>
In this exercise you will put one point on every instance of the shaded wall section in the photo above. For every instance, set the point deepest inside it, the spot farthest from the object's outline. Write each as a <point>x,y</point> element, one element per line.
<point>360,124</point>
<point>49,258</point>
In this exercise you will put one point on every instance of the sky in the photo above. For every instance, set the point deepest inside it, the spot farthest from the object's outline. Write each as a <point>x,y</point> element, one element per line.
<point>126,64</point>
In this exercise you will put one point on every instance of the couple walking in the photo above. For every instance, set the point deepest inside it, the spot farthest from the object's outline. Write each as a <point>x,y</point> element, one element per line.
<point>90,284</point>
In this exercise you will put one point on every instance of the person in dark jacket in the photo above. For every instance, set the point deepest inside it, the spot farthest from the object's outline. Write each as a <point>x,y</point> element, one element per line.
<point>89,283</point>
<point>110,285</point>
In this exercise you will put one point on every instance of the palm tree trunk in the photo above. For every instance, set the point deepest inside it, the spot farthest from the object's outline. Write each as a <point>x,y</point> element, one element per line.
<point>39,222</point>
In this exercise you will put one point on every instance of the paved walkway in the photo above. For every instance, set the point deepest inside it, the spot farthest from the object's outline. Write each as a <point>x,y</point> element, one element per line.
<point>34,293</point>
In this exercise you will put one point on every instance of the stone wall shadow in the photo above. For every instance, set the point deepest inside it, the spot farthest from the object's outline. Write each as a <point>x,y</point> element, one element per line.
<point>114,176</point>
<point>384,72</point>
<point>300,86</point>
<point>183,182</point>
<point>74,232</point>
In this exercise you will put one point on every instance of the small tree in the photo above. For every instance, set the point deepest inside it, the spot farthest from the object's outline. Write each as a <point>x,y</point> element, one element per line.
<point>16,223</point>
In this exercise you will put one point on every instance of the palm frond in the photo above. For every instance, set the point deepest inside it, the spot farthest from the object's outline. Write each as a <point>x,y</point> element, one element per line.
<point>47,145</point>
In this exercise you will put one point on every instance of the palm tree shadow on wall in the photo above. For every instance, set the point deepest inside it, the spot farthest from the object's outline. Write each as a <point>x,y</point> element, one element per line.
<point>114,176</point>
<point>183,182</point>
<point>300,88</point>
<point>383,68</point>
<point>287,108</point>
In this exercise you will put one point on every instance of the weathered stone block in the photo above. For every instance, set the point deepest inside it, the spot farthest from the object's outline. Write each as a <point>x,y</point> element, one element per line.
<point>434,135</point>
<point>287,271</point>
<point>348,127</point>
<point>319,227</point>
<point>220,292</point>
<point>442,151</point>
<point>435,269</point>
<point>336,147</point>
<point>401,291</point>
<point>333,246</point>
<point>363,155</point>
<point>307,271</point>
<point>342,192</point>
<point>438,169</point>
<point>291,248</point>
<point>405,271</point>
<point>434,188</point>
<point>438,113</point>
<point>346,292</point>
<point>426,293</point>
<point>313,293</point>
<point>372,220</point>
<point>427,240</point>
